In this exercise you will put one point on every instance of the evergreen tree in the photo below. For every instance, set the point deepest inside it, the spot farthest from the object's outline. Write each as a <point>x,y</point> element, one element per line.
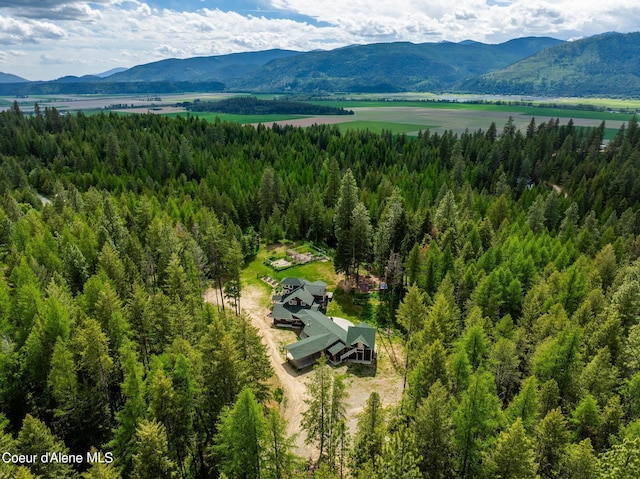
<point>151,460</point>
<point>361,232</point>
<point>370,433</point>
<point>343,221</point>
<point>399,458</point>
<point>552,436</point>
<point>579,461</point>
<point>35,438</point>
<point>240,440</point>
<point>435,435</point>
<point>325,409</point>
<point>411,315</point>
<point>513,456</point>
<point>280,461</point>
<point>475,419</point>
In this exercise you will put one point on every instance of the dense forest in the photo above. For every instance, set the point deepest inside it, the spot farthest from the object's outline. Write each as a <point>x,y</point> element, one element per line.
<point>512,259</point>
<point>250,105</point>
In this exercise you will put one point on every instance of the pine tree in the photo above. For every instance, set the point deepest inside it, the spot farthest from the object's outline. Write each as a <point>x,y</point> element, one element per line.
<point>133,410</point>
<point>435,435</point>
<point>399,458</point>
<point>36,438</point>
<point>370,432</point>
<point>343,222</point>
<point>239,444</point>
<point>579,461</point>
<point>475,418</point>
<point>552,436</point>
<point>361,232</point>
<point>411,315</point>
<point>325,409</point>
<point>526,404</point>
<point>280,462</point>
<point>151,460</point>
<point>513,456</point>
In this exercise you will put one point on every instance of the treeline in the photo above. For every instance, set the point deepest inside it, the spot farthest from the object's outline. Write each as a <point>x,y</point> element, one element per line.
<point>106,87</point>
<point>511,256</point>
<point>249,105</point>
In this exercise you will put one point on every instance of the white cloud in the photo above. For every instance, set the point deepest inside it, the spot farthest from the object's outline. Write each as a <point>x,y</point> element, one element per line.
<point>107,33</point>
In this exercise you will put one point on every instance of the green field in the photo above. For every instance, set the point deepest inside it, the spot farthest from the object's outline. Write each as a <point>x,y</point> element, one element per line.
<point>406,113</point>
<point>535,111</point>
<point>378,126</point>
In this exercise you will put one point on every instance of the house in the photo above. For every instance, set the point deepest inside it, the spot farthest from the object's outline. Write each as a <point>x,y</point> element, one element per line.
<point>337,338</point>
<point>302,305</point>
<point>298,295</point>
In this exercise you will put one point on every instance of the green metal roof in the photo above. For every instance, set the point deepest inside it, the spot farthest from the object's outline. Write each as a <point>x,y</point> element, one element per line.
<point>317,288</point>
<point>301,294</point>
<point>311,345</point>
<point>364,333</point>
<point>316,323</point>
<point>289,281</point>
<point>336,348</point>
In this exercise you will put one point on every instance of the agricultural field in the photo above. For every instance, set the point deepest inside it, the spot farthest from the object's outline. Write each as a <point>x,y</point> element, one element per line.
<point>406,113</point>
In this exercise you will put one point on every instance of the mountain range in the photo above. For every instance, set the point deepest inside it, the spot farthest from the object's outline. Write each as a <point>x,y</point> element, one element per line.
<point>607,64</point>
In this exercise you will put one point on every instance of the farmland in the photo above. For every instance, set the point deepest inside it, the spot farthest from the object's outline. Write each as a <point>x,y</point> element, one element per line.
<point>406,113</point>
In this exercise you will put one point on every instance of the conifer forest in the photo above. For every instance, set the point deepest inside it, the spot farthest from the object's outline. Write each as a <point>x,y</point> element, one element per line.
<point>513,265</point>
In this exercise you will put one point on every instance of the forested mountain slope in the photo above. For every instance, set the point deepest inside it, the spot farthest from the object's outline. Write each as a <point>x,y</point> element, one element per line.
<point>519,303</point>
<point>388,67</point>
<point>607,64</point>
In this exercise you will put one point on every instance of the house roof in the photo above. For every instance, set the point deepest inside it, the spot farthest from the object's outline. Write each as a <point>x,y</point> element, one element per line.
<point>301,294</point>
<point>311,345</point>
<point>336,348</point>
<point>316,323</point>
<point>317,288</point>
<point>363,333</point>
<point>289,281</point>
<point>324,334</point>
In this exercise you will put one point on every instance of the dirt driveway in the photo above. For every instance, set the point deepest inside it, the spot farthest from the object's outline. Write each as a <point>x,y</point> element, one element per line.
<point>362,381</point>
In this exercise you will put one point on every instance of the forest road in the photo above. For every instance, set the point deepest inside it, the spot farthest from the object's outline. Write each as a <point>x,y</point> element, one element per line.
<point>291,381</point>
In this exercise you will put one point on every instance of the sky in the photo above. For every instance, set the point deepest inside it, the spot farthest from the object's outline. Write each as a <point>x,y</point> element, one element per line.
<point>48,39</point>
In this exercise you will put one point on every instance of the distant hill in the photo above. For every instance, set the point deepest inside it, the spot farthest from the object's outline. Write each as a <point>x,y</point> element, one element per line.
<point>387,67</point>
<point>607,64</point>
<point>9,78</point>
<point>75,79</point>
<point>113,71</point>
<point>106,88</point>
<point>215,68</point>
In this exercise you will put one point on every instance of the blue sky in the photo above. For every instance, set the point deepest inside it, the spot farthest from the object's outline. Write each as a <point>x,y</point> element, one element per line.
<point>47,39</point>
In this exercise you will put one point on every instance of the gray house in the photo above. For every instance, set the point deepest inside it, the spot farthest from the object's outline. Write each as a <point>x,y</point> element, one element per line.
<point>302,305</point>
<point>298,295</point>
<point>338,339</point>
